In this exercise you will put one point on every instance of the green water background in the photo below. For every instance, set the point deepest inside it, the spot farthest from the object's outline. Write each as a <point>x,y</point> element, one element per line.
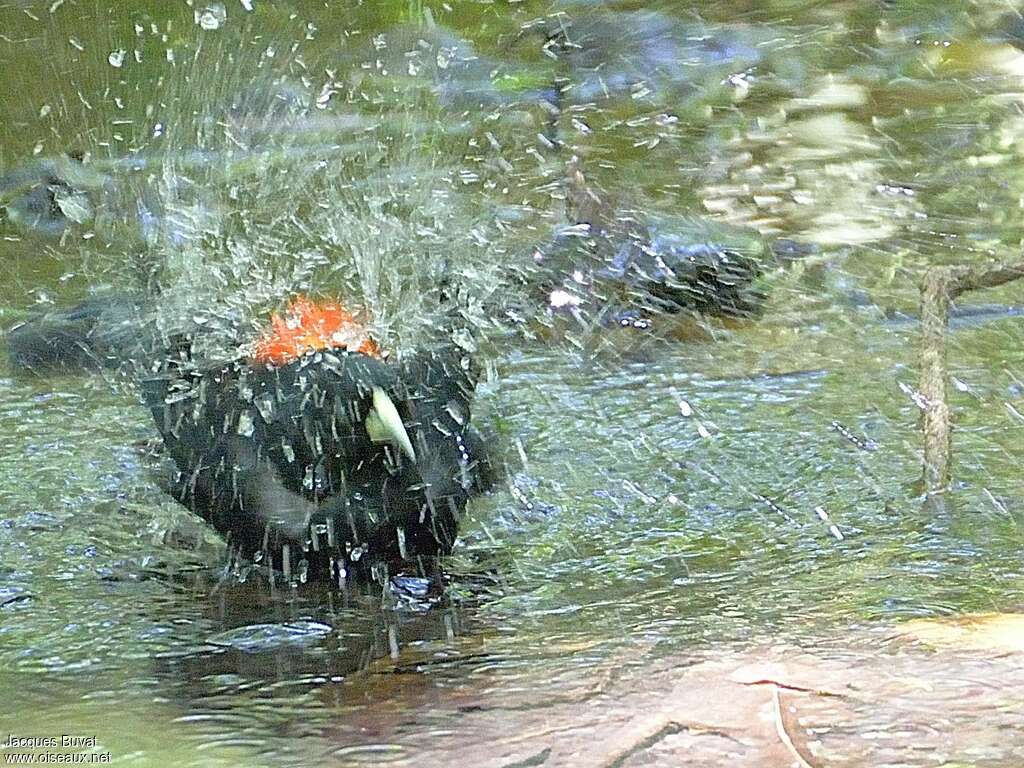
<point>888,135</point>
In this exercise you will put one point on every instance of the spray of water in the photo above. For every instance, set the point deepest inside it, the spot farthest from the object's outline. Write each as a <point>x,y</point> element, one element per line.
<point>261,172</point>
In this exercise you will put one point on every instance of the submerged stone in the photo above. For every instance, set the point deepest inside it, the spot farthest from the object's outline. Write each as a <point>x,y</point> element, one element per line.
<point>103,331</point>
<point>645,53</point>
<point>49,196</point>
<point>661,266</point>
<point>266,637</point>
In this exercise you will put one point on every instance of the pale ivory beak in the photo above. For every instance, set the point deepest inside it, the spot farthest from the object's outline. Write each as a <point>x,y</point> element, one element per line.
<point>384,424</point>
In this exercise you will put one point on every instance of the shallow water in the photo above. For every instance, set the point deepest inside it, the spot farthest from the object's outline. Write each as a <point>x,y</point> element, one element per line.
<point>660,502</point>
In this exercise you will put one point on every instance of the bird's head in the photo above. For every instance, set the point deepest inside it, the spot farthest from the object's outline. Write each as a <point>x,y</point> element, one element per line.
<point>308,326</point>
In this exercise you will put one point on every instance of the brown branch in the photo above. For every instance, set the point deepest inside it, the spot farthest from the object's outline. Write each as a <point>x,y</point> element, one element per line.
<point>974,278</point>
<point>938,288</point>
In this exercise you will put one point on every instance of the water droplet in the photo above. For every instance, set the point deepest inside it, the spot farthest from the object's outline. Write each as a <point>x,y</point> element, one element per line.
<point>265,405</point>
<point>581,126</point>
<point>246,426</point>
<point>74,206</point>
<point>401,543</point>
<point>211,17</point>
<point>560,298</point>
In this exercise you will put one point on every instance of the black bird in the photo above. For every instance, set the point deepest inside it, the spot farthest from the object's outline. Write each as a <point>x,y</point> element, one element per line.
<point>335,465</point>
<point>316,455</point>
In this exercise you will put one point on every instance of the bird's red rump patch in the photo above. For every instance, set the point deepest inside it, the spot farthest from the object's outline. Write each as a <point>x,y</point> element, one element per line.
<point>307,326</point>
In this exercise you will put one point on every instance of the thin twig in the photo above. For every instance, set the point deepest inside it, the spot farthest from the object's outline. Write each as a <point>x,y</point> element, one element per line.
<point>940,286</point>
